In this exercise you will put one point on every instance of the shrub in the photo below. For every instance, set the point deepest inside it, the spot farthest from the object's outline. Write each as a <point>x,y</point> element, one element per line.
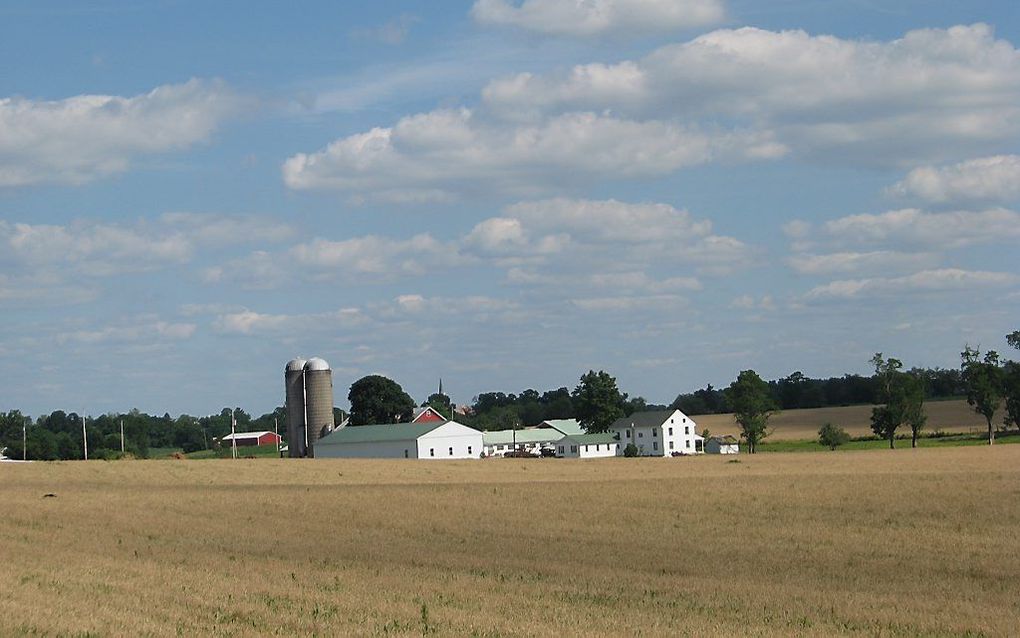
<point>832,436</point>
<point>630,451</point>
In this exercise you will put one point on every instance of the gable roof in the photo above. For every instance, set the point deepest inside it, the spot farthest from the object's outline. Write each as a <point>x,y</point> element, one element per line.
<point>647,419</point>
<point>593,439</point>
<point>245,435</point>
<point>566,426</point>
<point>532,435</point>
<point>725,439</point>
<point>384,432</point>
<point>427,413</point>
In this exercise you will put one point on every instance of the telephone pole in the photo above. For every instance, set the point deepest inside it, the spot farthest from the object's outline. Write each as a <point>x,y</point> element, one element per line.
<point>233,437</point>
<point>84,438</point>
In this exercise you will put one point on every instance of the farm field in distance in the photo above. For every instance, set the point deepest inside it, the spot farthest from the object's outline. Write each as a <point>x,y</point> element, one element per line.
<point>905,542</point>
<point>791,425</point>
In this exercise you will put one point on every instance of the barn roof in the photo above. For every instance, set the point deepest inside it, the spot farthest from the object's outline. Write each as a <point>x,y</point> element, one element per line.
<point>566,426</point>
<point>375,433</point>
<point>246,435</point>
<point>506,437</point>
<point>593,439</point>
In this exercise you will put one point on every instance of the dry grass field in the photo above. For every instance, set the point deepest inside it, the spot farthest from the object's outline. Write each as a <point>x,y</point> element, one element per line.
<point>876,543</point>
<point>949,416</point>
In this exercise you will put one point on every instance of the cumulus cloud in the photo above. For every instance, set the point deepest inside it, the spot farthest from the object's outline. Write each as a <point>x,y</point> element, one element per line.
<point>926,281</point>
<point>81,138</point>
<point>429,156</point>
<point>932,94</point>
<point>994,178</point>
<point>599,17</point>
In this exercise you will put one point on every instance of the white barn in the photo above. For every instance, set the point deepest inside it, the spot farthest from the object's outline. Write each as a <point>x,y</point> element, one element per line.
<point>500,442</point>
<point>659,433</point>
<point>433,440</point>
<point>726,444</point>
<point>588,446</point>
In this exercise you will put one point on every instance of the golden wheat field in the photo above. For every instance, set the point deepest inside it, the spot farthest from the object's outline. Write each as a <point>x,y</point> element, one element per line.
<point>875,543</point>
<point>949,416</point>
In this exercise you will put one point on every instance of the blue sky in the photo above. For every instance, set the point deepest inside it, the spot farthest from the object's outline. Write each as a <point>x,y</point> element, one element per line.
<point>500,193</point>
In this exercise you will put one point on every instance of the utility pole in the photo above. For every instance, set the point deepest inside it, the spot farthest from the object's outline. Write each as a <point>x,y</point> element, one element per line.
<point>233,437</point>
<point>24,440</point>
<point>122,436</point>
<point>84,437</point>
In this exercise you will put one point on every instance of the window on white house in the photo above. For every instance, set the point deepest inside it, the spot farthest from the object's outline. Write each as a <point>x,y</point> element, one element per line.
<point>628,434</point>
<point>685,419</point>
<point>640,435</point>
<point>671,429</point>
<point>451,451</point>
<point>671,445</point>
<point>406,454</point>
<point>655,445</point>
<point>655,432</point>
<point>688,443</point>
<point>432,451</point>
<point>687,430</point>
<point>561,449</point>
<point>573,449</point>
<point>469,449</point>
<point>586,448</point>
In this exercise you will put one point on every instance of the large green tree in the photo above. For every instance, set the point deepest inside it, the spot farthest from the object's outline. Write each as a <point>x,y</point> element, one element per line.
<point>902,396</point>
<point>1011,387</point>
<point>983,378</point>
<point>752,406</point>
<point>377,399</point>
<point>597,401</point>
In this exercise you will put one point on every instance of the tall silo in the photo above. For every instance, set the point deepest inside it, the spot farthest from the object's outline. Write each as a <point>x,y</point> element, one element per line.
<point>294,382</point>
<point>318,401</point>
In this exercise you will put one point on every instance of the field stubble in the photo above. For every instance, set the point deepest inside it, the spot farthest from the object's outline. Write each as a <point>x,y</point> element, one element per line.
<point>906,542</point>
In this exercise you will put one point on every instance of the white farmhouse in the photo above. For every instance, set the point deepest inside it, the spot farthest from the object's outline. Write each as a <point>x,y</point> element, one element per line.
<point>588,446</point>
<point>726,444</point>
<point>659,433</point>
<point>433,440</point>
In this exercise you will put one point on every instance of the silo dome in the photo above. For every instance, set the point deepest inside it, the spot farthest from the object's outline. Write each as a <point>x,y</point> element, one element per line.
<point>296,365</point>
<point>315,363</point>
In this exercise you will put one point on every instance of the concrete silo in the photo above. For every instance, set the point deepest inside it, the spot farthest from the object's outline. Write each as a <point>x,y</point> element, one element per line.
<point>294,382</point>
<point>318,401</point>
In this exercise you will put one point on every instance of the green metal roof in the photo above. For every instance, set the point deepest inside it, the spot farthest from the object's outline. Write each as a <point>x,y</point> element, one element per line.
<point>506,437</point>
<point>594,439</point>
<point>374,433</point>
<point>566,426</point>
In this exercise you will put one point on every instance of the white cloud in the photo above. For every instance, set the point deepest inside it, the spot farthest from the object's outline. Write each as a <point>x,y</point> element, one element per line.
<point>931,230</point>
<point>877,261</point>
<point>994,178</point>
<point>933,94</point>
<point>100,249</point>
<point>85,137</point>
<point>430,155</point>
<point>926,281</point>
<point>393,32</point>
<point>599,17</point>
<point>141,329</point>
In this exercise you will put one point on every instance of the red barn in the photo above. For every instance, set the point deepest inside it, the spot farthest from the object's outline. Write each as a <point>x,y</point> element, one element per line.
<point>251,438</point>
<point>427,415</point>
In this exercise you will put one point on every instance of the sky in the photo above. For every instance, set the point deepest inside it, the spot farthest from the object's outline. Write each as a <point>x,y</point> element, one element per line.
<point>502,194</point>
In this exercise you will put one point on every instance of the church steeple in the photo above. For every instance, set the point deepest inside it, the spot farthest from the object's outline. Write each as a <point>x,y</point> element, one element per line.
<point>441,386</point>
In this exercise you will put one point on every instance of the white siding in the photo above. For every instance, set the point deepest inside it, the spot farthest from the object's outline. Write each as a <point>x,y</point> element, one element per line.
<point>657,440</point>
<point>450,441</point>
<point>368,450</point>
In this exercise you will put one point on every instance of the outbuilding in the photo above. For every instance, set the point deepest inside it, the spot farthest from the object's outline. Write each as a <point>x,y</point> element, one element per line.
<point>250,439</point>
<point>588,446</point>
<point>726,444</point>
<point>500,442</point>
<point>431,440</point>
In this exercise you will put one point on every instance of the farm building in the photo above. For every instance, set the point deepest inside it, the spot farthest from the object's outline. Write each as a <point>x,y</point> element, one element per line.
<point>431,440</point>
<point>566,426</point>
<point>588,446</point>
<point>726,444</point>
<point>251,438</point>
<point>427,415</point>
<point>659,433</point>
<point>499,442</point>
